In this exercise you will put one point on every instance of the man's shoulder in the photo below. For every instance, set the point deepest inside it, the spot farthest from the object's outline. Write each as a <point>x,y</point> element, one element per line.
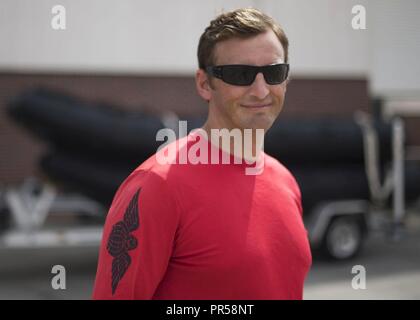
<point>149,172</point>
<point>276,166</point>
<point>278,170</point>
<point>149,177</point>
<point>159,167</point>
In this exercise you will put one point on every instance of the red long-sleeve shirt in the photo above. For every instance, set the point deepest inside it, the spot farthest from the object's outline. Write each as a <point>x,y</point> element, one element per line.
<point>204,231</point>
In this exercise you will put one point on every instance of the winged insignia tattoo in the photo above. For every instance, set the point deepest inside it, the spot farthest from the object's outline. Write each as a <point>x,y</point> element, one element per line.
<point>121,241</point>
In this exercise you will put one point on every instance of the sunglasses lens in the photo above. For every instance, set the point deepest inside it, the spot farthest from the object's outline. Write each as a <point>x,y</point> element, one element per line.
<point>239,75</point>
<point>243,75</point>
<point>276,74</point>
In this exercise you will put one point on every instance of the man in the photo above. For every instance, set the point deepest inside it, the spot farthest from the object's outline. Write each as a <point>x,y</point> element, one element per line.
<point>209,231</point>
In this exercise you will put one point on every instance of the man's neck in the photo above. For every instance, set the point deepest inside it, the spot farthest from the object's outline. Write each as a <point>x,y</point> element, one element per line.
<point>250,148</point>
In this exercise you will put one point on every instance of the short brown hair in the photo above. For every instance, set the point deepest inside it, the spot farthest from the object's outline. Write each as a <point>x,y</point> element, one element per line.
<point>240,23</point>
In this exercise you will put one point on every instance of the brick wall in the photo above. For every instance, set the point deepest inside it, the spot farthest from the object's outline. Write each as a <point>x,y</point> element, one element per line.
<point>19,151</point>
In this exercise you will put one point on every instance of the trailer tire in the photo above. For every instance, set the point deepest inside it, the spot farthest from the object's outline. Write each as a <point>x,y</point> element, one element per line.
<point>344,237</point>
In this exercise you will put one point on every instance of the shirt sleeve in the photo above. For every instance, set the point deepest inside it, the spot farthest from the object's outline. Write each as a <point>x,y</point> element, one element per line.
<point>299,199</point>
<point>297,194</point>
<point>138,239</point>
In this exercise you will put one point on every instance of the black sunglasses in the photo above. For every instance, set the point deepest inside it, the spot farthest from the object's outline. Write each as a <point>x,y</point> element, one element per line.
<point>244,75</point>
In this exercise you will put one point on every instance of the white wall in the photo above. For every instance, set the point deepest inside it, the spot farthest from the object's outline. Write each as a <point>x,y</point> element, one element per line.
<point>162,36</point>
<point>105,35</point>
<point>152,37</point>
<point>323,43</point>
<point>394,65</point>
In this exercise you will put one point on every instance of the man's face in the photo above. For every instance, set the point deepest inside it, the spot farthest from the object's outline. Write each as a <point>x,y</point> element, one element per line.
<point>247,107</point>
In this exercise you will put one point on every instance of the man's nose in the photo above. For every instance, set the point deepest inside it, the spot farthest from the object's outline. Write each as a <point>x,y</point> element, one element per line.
<point>259,88</point>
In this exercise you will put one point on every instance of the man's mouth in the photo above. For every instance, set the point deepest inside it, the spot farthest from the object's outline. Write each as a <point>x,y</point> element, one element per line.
<point>256,106</point>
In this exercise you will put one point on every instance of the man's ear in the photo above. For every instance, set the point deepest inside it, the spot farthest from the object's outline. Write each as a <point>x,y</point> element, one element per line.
<point>202,84</point>
<point>287,83</point>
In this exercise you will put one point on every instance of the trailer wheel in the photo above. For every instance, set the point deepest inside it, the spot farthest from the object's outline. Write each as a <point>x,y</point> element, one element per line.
<point>344,237</point>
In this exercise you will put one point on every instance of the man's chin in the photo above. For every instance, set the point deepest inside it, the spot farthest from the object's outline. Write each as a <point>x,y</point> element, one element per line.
<point>264,123</point>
